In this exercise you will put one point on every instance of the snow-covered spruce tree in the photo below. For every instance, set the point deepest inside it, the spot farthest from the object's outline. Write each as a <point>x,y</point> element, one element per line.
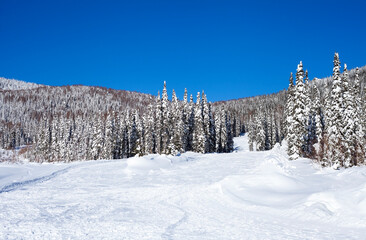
<point>212,131</point>
<point>125,136</point>
<point>348,128</point>
<point>191,123</point>
<point>317,111</point>
<point>199,139</point>
<point>299,114</point>
<point>176,126</point>
<point>310,127</point>
<point>98,137</point>
<point>229,146</point>
<point>260,139</point>
<point>158,125</point>
<point>205,121</point>
<point>107,152</point>
<point>267,130</point>
<point>359,142</point>
<point>218,131</point>
<point>134,137</point>
<point>289,113</point>
<point>334,119</point>
<point>141,133</point>
<point>165,115</point>
<point>185,119</point>
<point>43,144</point>
<point>223,130</point>
<point>251,135</point>
<point>150,141</point>
<point>55,138</point>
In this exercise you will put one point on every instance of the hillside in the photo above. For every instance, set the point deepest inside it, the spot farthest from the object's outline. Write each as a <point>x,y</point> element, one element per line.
<point>239,195</point>
<point>12,84</point>
<point>24,105</point>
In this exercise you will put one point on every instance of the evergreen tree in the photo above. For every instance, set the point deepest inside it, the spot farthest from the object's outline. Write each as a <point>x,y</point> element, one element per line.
<point>199,139</point>
<point>176,123</point>
<point>334,121</point>
<point>349,116</point>
<point>134,137</point>
<point>289,113</point>
<point>212,131</point>
<point>165,115</point>
<point>358,141</point>
<point>299,114</point>
<point>229,146</point>
<point>260,132</point>
<point>158,125</point>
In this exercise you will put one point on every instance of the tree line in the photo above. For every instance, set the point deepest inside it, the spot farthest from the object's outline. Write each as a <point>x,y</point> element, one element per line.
<point>165,127</point>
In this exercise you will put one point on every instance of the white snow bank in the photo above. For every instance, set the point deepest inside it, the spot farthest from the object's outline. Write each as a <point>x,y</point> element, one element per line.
<point>300,191</point>
<point>240,195</point>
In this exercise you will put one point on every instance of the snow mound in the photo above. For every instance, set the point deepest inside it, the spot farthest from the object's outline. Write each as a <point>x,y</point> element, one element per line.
<point>270,184</point>
<point>155,162</point>
<point>147,163</point>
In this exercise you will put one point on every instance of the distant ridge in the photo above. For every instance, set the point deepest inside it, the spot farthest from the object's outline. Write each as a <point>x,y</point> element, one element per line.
<point>12,84</point>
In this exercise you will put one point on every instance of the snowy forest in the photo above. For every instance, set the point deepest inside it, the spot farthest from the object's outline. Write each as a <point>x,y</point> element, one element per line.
<point>326,125</point>
<point>323,119</point>
<point>163,127</point>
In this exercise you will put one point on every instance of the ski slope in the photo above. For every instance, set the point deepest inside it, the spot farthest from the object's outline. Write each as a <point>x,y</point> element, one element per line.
<point>240,195</point>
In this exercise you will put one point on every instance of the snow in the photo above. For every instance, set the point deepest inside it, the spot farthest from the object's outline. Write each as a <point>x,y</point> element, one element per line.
<point>240,195</point>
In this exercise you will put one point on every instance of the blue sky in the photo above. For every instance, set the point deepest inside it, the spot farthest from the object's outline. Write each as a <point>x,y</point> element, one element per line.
<point>230,49</point>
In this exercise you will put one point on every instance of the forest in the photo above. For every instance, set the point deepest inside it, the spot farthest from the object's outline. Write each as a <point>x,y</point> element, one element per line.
<point>321,119</point>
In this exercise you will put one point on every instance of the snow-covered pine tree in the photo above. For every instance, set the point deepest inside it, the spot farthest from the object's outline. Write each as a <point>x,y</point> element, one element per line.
<point>260,131</point>
<point>134,137</point>
<point>191,123</point>
<point>317,110</point>
<point>359,142</point>
<point>165,113</point>
<point>289,113</point>
<point>185,119</point>
<point>158,125</point>
<point>274,132</point>
<point>299,114</point>
<point>251,135</point>
<point>43,144</point>
<point>334,121</point>
<point>176,124</point>
<point>98,137</point>
<point>206,121</point>
<point>212,131</point>
<point>199,138</point>
<point>125,137</point>
<point>349,115</point>
<point>309,124</point>
<point>229,146</point>
<point>107,152</point>
<point>218,130</point>
<point>54,145</point>
<point>223,130</point>
<point>150,141</point>
<point>141,133</point>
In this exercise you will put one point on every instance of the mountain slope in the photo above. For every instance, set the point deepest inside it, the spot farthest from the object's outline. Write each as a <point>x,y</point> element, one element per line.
<point>240,195</point>
<point>24,105</point>
<point>12,84</point>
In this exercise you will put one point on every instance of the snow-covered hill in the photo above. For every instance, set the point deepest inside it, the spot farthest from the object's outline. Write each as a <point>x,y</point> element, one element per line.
<point>240,195</point>
<point>12,84</point>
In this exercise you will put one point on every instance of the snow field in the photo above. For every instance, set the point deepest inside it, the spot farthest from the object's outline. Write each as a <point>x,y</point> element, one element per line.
<point>240,195</point>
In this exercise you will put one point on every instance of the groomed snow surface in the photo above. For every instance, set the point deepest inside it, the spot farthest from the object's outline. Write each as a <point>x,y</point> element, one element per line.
<point>241,195</point>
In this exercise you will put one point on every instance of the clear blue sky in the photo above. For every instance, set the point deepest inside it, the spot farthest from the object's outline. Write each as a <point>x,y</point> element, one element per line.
<point>231,49</point>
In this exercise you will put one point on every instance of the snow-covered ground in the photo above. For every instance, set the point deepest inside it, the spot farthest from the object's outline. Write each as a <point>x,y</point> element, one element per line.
<point>241,195</point>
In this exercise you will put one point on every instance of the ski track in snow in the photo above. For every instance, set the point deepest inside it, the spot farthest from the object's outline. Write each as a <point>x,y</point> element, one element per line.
<point>241,195</point>
<point>17,185</point>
